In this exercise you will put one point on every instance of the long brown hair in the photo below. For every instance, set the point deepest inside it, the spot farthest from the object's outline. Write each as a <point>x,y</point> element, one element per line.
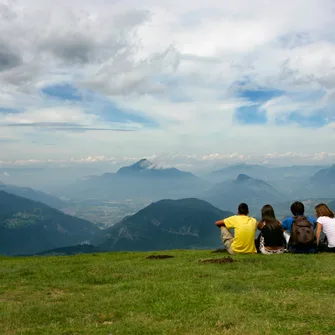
<point>269,218</point>
<point>323,210</point>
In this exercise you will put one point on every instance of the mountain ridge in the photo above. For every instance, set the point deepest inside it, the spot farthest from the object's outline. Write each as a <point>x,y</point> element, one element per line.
<point>139,166</point>
<point>141,179</point>
<point>324,176</point>
<point>167,224</point>
<point>230,193</point>
<point>34,195</point>
<point>29,227</point>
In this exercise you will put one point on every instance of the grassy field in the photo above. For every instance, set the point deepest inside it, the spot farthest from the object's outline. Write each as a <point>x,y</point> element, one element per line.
<point>126,293</point>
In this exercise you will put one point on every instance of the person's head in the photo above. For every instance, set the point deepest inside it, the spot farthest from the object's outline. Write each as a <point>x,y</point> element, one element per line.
<point>323,210</point>
<point>267,212</point>
<point>243,209</point>
<point>269,218</point>
<point>297,208</point>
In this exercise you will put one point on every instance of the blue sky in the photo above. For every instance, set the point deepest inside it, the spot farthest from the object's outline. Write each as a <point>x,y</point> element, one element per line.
<point>4,110</point>
<point>217,81</point>
<point>62,91</point>
<point>255,112</point>
<point>96,103</point>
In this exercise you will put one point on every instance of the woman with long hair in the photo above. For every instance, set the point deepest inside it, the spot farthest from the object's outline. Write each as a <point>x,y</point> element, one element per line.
<point>326,223</point>
<point>271,238</point>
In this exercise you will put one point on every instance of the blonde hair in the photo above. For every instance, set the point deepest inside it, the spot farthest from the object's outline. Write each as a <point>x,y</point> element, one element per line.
<point>323,210</point>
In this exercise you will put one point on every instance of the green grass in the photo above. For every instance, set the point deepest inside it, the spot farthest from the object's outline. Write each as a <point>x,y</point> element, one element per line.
<point>125,293</point>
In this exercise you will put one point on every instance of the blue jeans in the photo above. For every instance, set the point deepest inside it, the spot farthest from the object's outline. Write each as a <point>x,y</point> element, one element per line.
<point>303,250</point>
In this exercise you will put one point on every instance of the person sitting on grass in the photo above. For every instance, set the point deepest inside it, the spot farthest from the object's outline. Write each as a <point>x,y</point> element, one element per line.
<point>244,231</point>
<point>271,239</point>
<point>299,230</point>
<point>298,211</point>
<point>326,223</point>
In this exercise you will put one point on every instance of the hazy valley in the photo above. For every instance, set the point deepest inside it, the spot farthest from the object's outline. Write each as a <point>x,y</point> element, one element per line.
<point>129,210</point>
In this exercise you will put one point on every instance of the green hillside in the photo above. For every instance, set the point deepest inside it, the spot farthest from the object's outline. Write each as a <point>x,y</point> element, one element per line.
<point>34,195</point>
<point>168,224</point>
<point>126,293</point>
<point>28,227</point>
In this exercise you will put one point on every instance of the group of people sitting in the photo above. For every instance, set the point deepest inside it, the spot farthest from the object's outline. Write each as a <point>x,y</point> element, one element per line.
<point>296,234</point>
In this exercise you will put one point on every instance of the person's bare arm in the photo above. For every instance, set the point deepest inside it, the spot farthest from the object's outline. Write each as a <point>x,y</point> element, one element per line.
<point>260,225</point>
<point>318,232</point>
<point>220,223</point>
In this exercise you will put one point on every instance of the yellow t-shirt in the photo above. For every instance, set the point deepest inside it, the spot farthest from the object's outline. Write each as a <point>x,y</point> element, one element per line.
<point>244,233</point>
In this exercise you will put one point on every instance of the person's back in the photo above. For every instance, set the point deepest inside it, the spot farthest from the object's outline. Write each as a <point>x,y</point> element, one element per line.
<point>325,223</point>
<point>244,227</point>
<point>297,225</point>
<point>271,239</point>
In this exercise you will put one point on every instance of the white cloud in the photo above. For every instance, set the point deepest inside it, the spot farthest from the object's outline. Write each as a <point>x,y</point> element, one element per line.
<point>177,63</point>
<point>194,163</point>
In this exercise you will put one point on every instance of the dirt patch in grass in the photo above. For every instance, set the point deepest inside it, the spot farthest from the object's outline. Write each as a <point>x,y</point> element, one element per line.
<point>225,325</point>
<point>223,260</point>
<point>57,293</point>
<point>159,257</point>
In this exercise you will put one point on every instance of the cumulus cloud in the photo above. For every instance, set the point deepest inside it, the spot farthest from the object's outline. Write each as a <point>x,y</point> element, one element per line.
<point>181,64</point>
<point>196,163</point>
<point>8,58</point>
<point>121,76</point>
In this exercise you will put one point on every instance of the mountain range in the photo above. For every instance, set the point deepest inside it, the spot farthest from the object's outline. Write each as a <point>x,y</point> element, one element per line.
<point>228,194</point>
<point>31,223</point>
<point>331,205</point>
<point>29,227</point>
<point>168,224</point>
<point>34,195</point>
<point>325,177</point>
<point>264,172</point>
<point>321,184</point>
<point>140,180</point>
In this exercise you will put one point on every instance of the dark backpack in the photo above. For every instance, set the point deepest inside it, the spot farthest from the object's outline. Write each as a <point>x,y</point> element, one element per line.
<point>302,232</point>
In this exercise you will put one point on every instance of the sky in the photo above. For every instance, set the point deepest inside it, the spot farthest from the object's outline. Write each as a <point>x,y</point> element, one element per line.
<point>180,82</point>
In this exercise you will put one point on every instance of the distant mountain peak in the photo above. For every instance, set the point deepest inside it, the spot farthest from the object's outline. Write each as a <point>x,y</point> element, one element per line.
<point>230,193</point>
<point>144,163</point>
<point>243,177</point>
<point>139,166</point>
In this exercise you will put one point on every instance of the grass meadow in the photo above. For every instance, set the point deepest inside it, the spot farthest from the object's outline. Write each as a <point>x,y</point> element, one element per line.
<point>127,293</point>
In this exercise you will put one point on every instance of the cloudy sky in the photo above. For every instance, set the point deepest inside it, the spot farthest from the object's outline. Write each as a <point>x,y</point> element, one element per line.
<point>214,80</point>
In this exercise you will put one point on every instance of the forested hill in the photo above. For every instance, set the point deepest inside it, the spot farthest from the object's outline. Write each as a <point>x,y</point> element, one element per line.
<point>28,227</point>
<point>168,224</point>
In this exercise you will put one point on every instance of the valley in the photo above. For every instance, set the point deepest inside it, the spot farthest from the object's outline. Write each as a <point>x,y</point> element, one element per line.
<point>105,214</point>
<point>150,155</point>
<point>143,207</point>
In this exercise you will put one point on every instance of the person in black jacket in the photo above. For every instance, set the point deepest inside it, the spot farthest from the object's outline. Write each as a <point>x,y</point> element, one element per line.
<point>271,239</point>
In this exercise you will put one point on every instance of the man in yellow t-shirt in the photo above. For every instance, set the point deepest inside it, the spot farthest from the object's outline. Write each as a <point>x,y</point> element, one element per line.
<point>244,231</point>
